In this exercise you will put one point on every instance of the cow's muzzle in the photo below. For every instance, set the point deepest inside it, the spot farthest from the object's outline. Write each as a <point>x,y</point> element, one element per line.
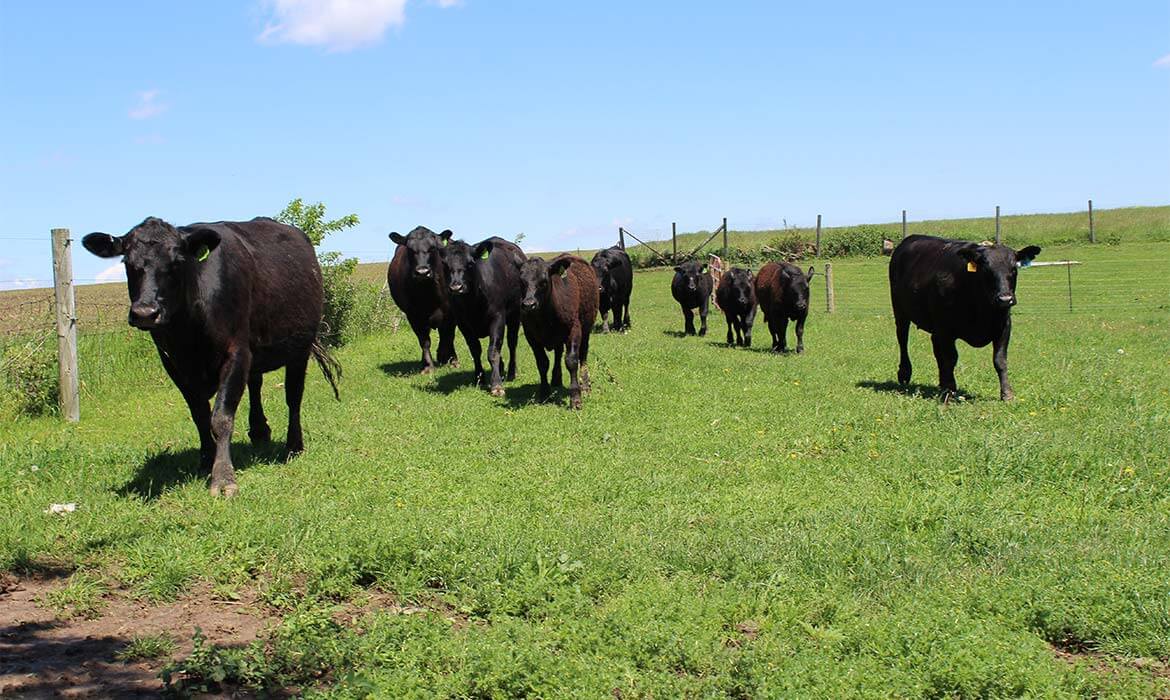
<point>422,271</point>
<point>1006,301</point>
<point>457,288</point>
<point>528,304</point>
<point>145,316</point>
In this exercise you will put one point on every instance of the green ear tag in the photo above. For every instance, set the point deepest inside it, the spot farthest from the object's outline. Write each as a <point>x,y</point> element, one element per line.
<point>484,255</point>
<point>565,273</point>
<point>203,253</point>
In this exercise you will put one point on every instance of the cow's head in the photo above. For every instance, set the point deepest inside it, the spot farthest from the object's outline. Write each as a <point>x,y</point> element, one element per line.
<point>796,286</point>
<point>690,273</point>
<point>423,250</point>
<point>160,260</point>
<point>459,261</point>
<point>993,268</point>
<point>740,281</point>
<point>536,277</point>
<point>604,264</point>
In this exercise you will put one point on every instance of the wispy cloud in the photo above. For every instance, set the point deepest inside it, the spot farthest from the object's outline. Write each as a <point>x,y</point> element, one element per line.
<point>1163,62</point>
<point>113,273</point>
<point>336,25</point>
<point>148,105</point>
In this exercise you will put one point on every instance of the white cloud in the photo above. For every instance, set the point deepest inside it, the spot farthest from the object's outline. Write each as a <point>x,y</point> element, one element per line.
<point>1163,62</point>
<point>337,25</point>
<point>113,273</point>
<point>148,105</point>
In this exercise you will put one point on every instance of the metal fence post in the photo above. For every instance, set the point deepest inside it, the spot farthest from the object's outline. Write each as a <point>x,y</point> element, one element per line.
<point>622,237</point>
<point>1092,234</point>
<point>69,398</point>
<point>725,237</point>
<point>830,295</point>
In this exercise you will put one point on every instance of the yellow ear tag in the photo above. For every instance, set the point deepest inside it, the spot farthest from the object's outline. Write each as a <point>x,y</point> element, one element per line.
<point>204,251</point>
<point>565,273</point>
<point>971,267</point>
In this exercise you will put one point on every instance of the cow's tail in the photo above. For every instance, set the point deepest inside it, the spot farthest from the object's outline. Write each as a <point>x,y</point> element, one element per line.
<point>329,365</point>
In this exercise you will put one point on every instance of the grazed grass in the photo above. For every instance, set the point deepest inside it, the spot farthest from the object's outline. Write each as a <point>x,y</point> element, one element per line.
<point>148,647</point>
<point>714,522</point>
<point>81,595</point>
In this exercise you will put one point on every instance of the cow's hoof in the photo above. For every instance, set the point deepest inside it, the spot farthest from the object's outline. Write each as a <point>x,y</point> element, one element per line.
<point>260,437</point>
<point>1008,395</point>
<point>453,364</point>
<point>498,392</point>
<point>224,490</point>
<point>575,403</point>
<point>427,370</point>
<point>903,377</point>
<point>799,349</point>
<point>702,332</point>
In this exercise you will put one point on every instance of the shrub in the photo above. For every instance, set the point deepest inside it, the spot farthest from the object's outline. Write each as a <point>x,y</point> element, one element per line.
<point>29,371</point>
<point>855,240</point>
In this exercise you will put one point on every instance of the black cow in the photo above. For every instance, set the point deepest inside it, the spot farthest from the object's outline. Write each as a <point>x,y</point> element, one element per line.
<point>955,290</point>
<point>224,303</point>
<point>484,283</point>
<point>736,295</point>
<point>418,285</point>
<point>615,275</point>
<point>691,288</point>
<point>558,309</point>
<point>782,290</point>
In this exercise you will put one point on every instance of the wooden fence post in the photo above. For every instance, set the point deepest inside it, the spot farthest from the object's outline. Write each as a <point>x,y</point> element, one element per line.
<point>69,398</point>
<point>1092,234</point>
<point>818,253</point>
<point>903,223</point>
<point>830,295</point>
<point>674,241</point>
<point>997,224</point>
<point>622,237</point>
<point>725,237</point>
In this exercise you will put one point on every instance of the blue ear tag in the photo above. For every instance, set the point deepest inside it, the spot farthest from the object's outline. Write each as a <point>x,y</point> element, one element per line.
<point>203,253</point>
<point>1026,263</point>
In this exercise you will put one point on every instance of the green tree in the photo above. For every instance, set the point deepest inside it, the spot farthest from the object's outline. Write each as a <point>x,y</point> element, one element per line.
<point>336,271</point>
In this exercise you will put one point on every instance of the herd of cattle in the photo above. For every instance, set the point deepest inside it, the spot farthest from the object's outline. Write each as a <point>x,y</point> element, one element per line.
<point>226,302</point>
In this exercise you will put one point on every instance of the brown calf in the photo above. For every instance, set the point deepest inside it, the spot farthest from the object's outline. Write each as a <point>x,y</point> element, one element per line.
<point>557,310</point>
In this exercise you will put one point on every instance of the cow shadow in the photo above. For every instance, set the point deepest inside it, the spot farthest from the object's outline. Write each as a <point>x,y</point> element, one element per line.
<point>925,391</point>
<point>450,382</point>
<point>404,368</point>
<point>521,395</point>
<point>676,334</point>
<point>168,469</point>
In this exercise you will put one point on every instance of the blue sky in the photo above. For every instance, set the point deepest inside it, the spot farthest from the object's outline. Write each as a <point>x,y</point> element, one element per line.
<point>563,120</point>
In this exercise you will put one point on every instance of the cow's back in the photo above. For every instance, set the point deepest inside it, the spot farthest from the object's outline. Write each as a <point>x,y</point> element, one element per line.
<point>927,286</point>
<point>267,285</point>
<point>769,290</point>
<point>588,297</point>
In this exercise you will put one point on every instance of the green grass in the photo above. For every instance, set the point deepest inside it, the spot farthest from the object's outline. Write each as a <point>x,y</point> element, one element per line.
<point>81,595</point>
<point>714,522</point>
<point>148,647</point>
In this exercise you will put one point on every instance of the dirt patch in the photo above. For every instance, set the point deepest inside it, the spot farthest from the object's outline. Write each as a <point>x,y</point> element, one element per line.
<point>1104,664</point>
<point>43,656</point>
<point>374,601</point>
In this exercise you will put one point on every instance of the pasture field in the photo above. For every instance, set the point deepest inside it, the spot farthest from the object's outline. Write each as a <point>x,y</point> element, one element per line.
<point>716,522</point>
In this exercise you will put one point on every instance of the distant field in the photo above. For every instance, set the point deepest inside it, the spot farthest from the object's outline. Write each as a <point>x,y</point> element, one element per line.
<point>716,522</point>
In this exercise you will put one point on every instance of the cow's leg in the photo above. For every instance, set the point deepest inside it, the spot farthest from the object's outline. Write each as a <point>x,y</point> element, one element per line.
<point>800,333</point>
<point>605,319</point>
<point>572,362</point>
<point>999,359</point>
<point>233,376</point>
<point>584,354</point>
<point>689,321</point>
<point>495,350</point>
<point>294,391</point>
<point>424,343</point>
<point>542,366</point>
<point>947,356</point>
<point>783,323</point>
<point>731,327</point>
<point>902,328</point>
<point>626,315</point>
<point>476,349</point>
<point>447,344</point>
<point>258,431</point>
<point>513,336</point>
<point>201,415</point>
<point>703,314</point>
<point>748,322</point>
<point>556,370</point>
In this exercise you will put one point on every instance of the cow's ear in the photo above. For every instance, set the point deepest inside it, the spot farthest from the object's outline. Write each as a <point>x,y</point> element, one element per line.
<point>678,268</point>
<point>200,242</point>
<point>811,271</point>
<point>560,267</point>
<point>703,270</point>
<point>103,245</point>
<point>969,253</point>
<point>1027,255</point>
<point>482,250</point>
<point>614,262</point>
<point>445,236</point>
<point>398,238</point>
